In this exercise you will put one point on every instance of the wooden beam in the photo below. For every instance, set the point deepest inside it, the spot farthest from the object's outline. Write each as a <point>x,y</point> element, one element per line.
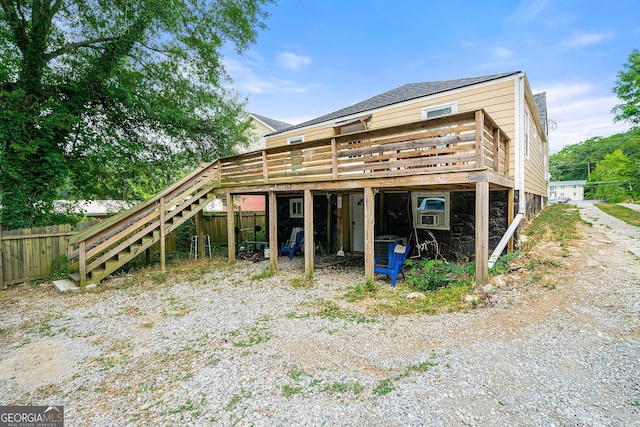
<point>369,232</point>
<point>82,262</point>
<point>308,234</point>
<point>329,223</point>
<point>273,231</point>
<point>482,234</point>
<point>496,150</point>
<point>231,233</point>
<point>163,237</point>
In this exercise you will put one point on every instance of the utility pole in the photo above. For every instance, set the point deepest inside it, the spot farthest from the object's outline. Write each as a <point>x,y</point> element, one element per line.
<point>588,168</point>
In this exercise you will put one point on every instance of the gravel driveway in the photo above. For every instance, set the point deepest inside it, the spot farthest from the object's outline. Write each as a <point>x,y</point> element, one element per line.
<point>226,347</point>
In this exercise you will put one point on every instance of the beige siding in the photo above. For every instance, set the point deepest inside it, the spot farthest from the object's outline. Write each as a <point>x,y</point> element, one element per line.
<point>255,134</point>
<point>534,165</point>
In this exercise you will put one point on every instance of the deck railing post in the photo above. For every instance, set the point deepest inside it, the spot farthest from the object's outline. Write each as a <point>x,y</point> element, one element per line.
<point>265,167</point>
<point>334,158</point>
<point>82,263</point>
<point>479,139</point>
<point>496,150</point>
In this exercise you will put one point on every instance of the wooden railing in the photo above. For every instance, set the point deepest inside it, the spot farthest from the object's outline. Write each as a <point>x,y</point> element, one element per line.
<point>463,141</point>
<point>100,250</point>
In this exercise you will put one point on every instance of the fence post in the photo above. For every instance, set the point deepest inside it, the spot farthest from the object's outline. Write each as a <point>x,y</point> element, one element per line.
<point>2,285</point>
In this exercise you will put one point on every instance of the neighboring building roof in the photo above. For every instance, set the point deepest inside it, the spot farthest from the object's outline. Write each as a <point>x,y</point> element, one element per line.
<point>559,183</point>
<point>274,124</point>
<point>541,103</point>
<point>93,207</point>
<point>403,93</point>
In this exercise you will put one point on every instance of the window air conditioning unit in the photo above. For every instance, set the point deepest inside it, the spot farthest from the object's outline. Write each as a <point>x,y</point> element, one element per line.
<point>431,210</point>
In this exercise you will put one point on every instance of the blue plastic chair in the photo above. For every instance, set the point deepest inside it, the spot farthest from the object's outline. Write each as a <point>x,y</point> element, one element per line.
<point>296,247</point>
<point>394,262</point>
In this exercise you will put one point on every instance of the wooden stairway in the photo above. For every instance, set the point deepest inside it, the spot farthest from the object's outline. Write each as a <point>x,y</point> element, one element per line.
<point>98,251</point>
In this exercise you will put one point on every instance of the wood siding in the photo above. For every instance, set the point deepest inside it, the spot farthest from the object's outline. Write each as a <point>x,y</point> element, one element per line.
<point>534,165</point>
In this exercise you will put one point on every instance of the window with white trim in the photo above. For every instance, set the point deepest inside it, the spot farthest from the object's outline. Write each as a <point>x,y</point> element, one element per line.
<point>439,110</point>
<point>296,208</point>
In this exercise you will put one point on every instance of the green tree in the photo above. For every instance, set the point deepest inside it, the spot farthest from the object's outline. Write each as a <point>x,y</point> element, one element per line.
<point>614,178</point>
<point>91,90</point>
<point>627,89</point>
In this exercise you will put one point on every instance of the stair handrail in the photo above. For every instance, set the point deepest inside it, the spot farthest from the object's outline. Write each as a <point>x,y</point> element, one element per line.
<point>103,225</point>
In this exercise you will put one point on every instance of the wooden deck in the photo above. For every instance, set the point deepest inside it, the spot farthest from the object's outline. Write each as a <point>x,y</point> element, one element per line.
<point>460,151</point>
<point>458,148</point>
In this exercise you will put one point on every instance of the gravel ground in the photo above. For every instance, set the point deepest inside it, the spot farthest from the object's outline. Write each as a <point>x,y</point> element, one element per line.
<point>224,347</point>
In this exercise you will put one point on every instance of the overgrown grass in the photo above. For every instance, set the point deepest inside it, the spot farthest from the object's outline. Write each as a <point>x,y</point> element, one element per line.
<point>623,213</point>
<point>558,222</point>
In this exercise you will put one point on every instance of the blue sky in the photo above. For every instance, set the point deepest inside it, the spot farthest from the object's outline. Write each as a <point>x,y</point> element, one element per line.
<point>319,56</point>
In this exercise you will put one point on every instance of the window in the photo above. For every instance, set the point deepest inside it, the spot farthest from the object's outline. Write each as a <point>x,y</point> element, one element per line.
<point>296,208</point>
<point>439,110</point>
<point>295,139</point>
<point>431,210</point>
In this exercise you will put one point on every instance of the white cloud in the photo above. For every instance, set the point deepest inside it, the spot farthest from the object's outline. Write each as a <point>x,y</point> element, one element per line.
<point>247,81</point>
<point>579,120</point>
<point>527,11</point>
<point>580,39</point>
<point>291,61</point>
<point>502,53</point>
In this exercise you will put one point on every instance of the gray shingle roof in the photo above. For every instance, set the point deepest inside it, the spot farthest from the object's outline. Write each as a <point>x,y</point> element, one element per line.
<point>276,125</point>
<point>541,104</point>
<point>403,93</point>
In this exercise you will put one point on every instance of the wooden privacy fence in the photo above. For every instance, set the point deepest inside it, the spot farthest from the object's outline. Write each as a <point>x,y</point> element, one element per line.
<point>29,254</point>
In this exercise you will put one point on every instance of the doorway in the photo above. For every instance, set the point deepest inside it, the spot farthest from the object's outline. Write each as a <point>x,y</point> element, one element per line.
<point>356,203</point>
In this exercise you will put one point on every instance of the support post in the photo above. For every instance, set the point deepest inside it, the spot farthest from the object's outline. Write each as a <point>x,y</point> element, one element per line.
<point>308,234</point>
<point>369,232</point>
<point>200,233</point>
<point>510,207</point>
<point>163,237</point>
<point>482,233</point>
<point>273,231</point>
<point>340,220</point>
<point>231,235</point>
<point>496,150</point>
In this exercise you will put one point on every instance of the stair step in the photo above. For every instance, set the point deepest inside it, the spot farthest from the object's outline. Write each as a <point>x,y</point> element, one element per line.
<point>66,285</point>
<point>75,277</point>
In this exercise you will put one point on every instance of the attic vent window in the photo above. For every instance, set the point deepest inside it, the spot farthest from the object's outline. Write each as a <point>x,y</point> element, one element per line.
<point>434,111</point>
<point>354,124</point>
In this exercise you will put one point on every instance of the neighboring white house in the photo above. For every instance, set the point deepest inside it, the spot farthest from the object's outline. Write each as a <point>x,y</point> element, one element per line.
<point>259,127</point>
<point>574,190</point>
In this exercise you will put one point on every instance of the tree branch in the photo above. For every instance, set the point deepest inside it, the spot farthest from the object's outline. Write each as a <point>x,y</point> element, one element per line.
<point>73,46</point>
<point>18,26</point>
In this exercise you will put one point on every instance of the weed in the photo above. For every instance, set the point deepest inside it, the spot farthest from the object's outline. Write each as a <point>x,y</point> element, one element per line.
<point>361,291</point>
<point>237,398</point>
<point>384,387</point>
<point>295,372</point>
<point>622,213</point>
<point>60,267</point>
<point>265,273</point>
<point>288,390</point>
<point>431,274</point>
<point>254,336</point>
<point>301,282</point>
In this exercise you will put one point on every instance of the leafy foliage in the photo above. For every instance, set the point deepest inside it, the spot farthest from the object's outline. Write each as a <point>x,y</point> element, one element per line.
<point>431,274</point>
<point>615,177</point>
<point>627,89</point>
<point>573,162</point>
<point>113,99</point>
